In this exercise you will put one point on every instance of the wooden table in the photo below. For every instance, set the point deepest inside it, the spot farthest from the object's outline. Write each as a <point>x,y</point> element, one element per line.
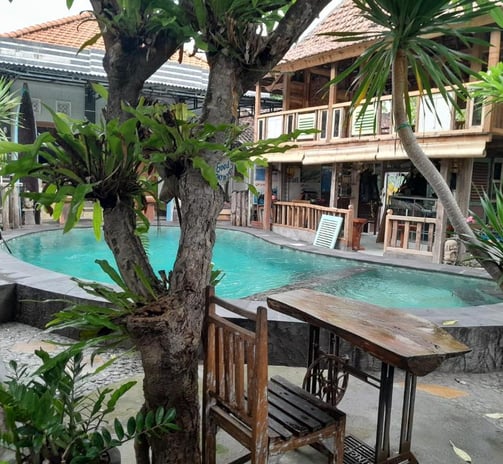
<point>396,338</point>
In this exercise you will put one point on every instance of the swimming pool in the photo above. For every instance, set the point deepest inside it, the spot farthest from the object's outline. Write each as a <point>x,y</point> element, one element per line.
<point>252,265</point>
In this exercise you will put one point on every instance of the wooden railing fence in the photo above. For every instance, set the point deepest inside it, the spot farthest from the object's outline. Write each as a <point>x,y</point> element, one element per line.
<point>303,215</point>
<point>409,234</point>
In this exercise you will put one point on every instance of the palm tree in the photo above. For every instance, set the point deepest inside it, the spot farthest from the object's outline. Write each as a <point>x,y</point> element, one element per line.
<point>402,42</point>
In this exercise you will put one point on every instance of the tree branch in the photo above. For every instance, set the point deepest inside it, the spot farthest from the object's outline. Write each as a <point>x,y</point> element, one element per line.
<point>274,47</point>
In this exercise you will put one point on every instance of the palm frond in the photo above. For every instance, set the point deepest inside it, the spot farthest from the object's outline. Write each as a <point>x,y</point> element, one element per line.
<point>9,101</point>
<point>489,228</point>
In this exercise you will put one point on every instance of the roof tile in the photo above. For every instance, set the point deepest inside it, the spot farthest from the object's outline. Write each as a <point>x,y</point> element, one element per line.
<point>345,17</point>
<point>73,31</point>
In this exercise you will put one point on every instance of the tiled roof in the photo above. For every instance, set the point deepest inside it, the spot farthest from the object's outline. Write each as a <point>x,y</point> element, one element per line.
<point>73,31</point>
<point>345,17</point>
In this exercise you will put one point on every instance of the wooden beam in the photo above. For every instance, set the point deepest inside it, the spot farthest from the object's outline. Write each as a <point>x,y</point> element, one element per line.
<point>266,220</point>
<point>287,79</point>
<point>321,72</point>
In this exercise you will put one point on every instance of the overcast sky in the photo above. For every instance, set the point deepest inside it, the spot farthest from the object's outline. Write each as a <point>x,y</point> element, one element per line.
<point>21,13</point>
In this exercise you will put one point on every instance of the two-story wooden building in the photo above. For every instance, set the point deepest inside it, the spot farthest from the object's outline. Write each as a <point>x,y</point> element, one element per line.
<point>351,161</point>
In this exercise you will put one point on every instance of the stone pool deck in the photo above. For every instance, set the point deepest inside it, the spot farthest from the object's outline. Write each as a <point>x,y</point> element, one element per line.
<point>23,286</point>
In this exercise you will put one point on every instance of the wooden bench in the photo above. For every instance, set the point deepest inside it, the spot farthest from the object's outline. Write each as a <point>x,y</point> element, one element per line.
<point>268,417</point>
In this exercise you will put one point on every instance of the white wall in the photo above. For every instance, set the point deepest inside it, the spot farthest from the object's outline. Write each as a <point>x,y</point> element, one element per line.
<point>50,94</point>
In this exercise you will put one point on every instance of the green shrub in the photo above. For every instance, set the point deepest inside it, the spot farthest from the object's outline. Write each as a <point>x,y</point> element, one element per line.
<point>51,417</point>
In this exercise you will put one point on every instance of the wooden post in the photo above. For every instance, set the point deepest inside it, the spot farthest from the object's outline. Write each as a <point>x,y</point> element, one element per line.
<point>387,229</point>
<point>492,60</point>
<point>333,187</point>
<point>463,183</point>
<point>332,92</point>
<point>258,106</point>
<point>286,91</point>
<point>307,89</point>
<point>355,188</point>
<point>348,227</point>
<point>266,221</point>
<point>463,191</point>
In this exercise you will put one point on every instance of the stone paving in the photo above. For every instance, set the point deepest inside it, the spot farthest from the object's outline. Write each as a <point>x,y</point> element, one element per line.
<point>466,409</point>
<point>19,341</point>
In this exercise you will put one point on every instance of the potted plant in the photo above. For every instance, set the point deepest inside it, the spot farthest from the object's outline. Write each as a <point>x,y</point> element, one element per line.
<point>50,416</point>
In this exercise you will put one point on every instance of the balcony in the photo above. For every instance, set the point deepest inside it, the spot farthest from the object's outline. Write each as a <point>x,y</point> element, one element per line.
<point>335,125</point>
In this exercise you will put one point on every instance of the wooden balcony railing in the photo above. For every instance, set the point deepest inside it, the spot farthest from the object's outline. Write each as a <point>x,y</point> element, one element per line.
<point>409,234</point>
<point>305,216</point>
<point>334,123</point>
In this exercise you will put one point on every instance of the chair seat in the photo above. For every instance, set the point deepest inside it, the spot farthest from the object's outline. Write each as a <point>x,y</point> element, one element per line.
<point>295,412</point>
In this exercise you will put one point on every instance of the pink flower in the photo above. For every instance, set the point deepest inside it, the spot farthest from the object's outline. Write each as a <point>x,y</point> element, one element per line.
<point>470,220</point>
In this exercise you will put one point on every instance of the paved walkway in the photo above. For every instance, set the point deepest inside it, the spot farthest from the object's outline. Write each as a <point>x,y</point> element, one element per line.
<point>465,409</point>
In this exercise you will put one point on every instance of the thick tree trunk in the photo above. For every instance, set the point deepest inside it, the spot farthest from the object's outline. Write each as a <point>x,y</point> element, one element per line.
<point>119,225</point>
<point>168,332</point>
<point>169,348</point>
<point>427,168</point>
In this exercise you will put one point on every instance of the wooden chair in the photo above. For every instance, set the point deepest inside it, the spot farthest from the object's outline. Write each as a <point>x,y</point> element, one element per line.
<point>267,417</point>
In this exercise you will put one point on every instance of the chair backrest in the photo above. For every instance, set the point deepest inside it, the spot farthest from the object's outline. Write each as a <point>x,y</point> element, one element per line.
<point>236,363</point>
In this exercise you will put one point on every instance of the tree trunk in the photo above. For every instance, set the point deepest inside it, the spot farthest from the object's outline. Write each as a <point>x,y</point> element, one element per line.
<point>169,348</point>
<point>427,168</point>
<point>119,224</point>
<point>167,332</point>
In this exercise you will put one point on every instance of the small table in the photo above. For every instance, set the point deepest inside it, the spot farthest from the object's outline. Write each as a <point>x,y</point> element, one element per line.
<point>396,338</point>
<point>358,224</point>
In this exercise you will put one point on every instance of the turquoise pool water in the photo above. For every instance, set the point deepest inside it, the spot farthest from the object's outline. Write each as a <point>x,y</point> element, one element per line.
<point>252,265</point>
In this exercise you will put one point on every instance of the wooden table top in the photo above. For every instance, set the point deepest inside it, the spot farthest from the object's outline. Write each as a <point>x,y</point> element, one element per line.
<point>393,336</point>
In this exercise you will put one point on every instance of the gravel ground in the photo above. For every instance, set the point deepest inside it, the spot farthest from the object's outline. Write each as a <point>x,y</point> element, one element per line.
<point>19,341</point>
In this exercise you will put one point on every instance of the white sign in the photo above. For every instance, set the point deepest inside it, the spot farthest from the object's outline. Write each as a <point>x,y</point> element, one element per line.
<point>224,171</point>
